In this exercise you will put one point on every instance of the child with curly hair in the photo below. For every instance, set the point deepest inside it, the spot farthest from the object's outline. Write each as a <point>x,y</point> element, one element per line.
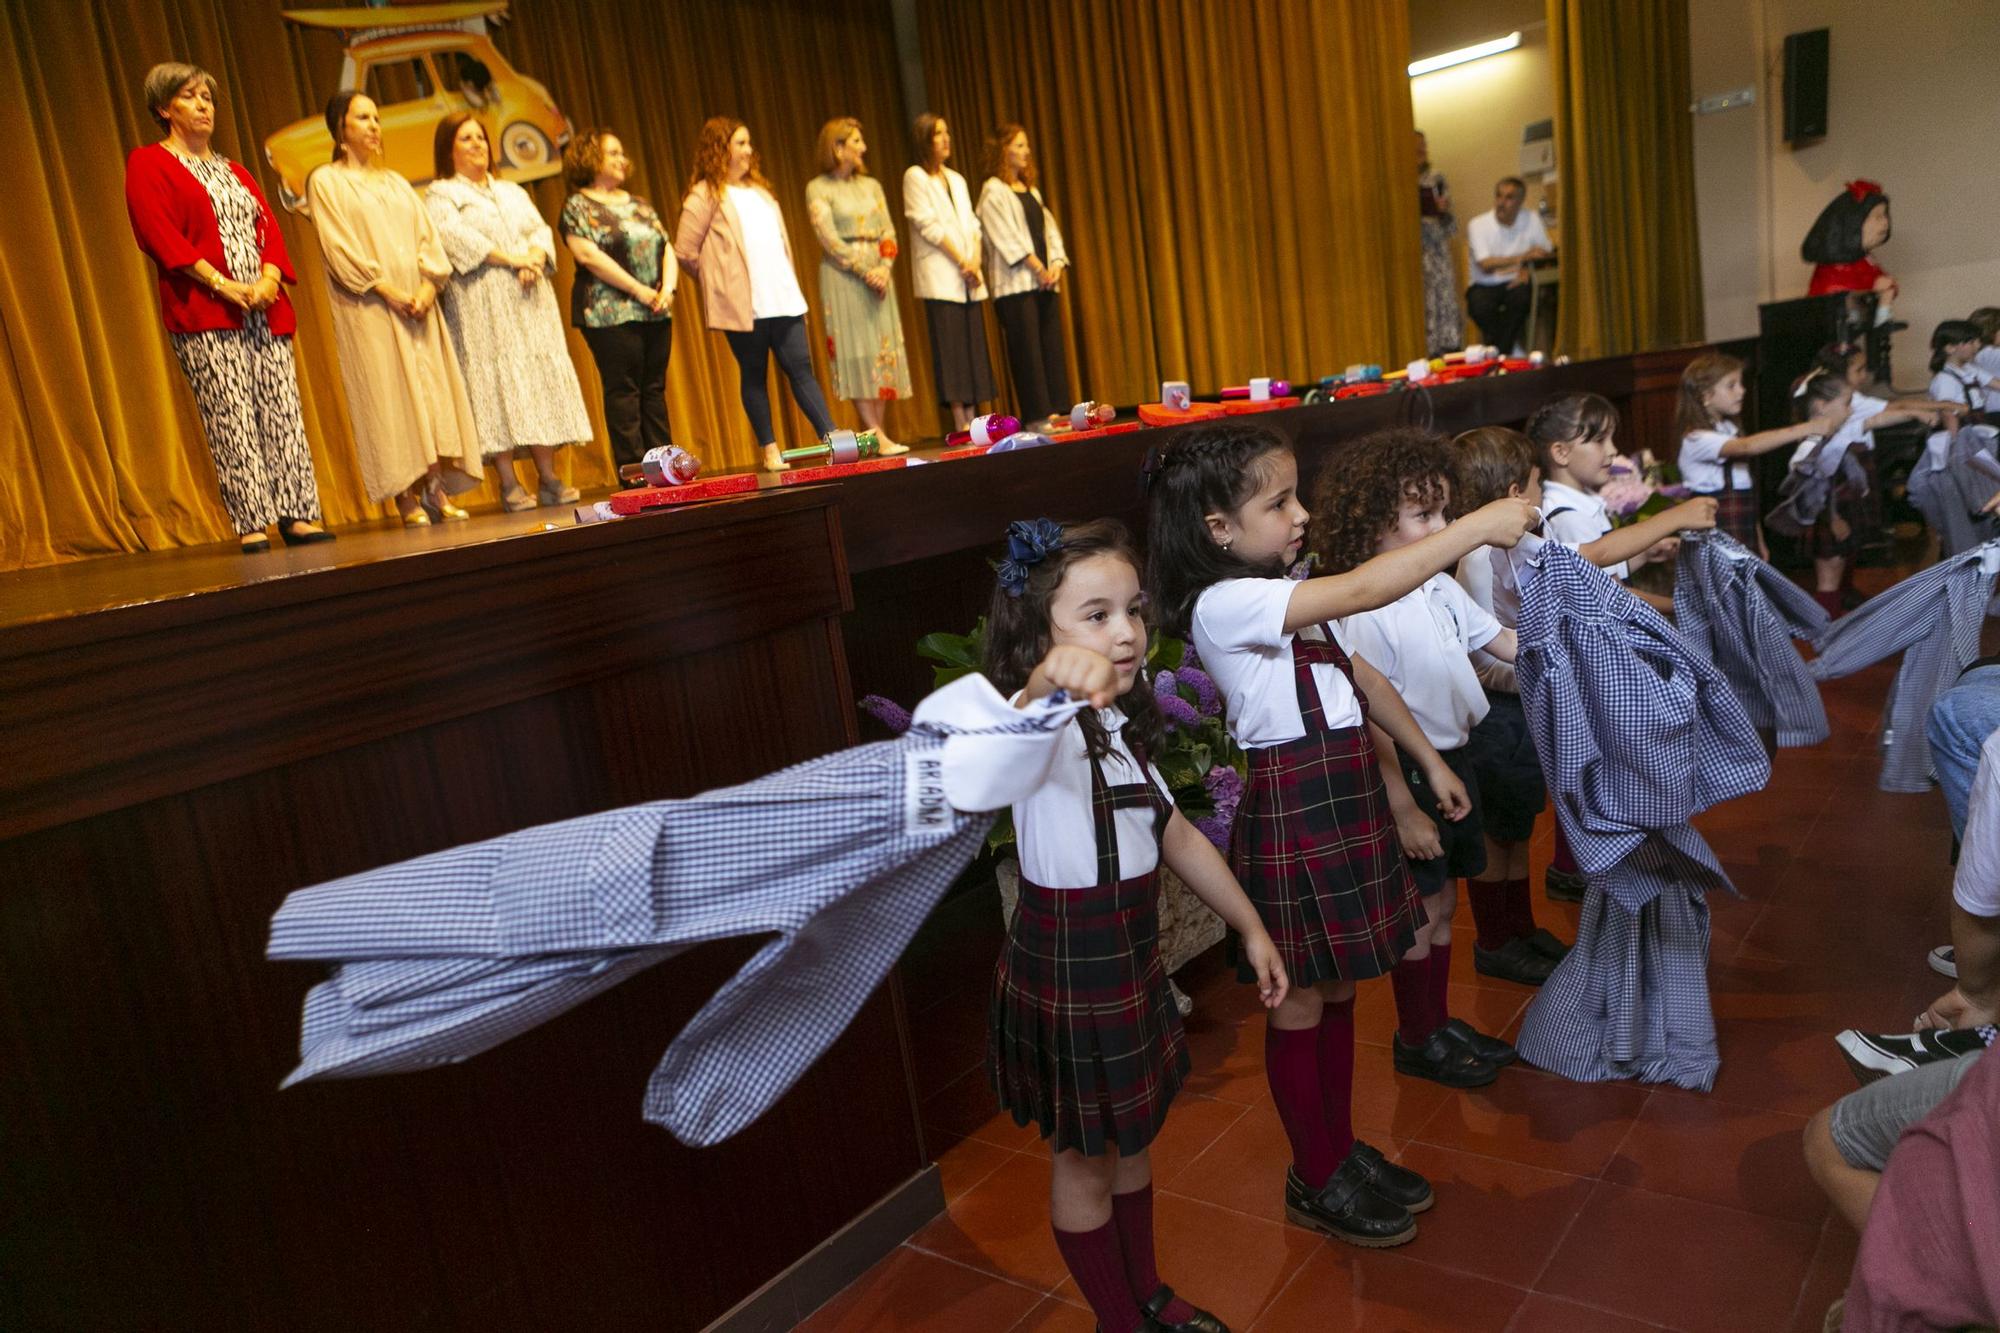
<point>1391,491</point>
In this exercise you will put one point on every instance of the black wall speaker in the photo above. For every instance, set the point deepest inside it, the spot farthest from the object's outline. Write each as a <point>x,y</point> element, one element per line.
<point>1805,85</point>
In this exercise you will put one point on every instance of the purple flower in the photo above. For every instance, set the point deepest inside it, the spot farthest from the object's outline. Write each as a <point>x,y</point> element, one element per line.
<point>888,712</point>
<point>1216,829</point>
<point>1179,712</point>
<point>1164,684</point>
<point>1206,697</point>
<point>1225,787</point>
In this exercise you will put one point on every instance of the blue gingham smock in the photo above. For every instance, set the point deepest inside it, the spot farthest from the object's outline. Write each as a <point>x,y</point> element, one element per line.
<point>1637,733</point>
<point>440,958</point>
<point>1933,618</point>
<point>1742,614</point>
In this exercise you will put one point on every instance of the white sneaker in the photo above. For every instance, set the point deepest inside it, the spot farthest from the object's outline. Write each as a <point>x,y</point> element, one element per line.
<point>1872,1056</point>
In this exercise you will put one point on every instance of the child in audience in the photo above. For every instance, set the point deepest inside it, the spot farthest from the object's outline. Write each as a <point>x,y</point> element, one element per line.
<point>1389,492</point>
<point>1715,454</point>
<point>1313,845</point>
<point>1085,1040</point>
<point>1987,358</point>
<point>1573,439</point>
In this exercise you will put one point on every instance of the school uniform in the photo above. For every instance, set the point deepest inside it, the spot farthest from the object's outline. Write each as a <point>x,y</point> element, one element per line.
<point>1511,791</point>
<point>1839,458</point>
<point>1085,1041</point>
<point>1944,487</point>
<point>1422,642</point>
<point>1732,481</point>
<point>1577,518</point>
<point>1314,846</point>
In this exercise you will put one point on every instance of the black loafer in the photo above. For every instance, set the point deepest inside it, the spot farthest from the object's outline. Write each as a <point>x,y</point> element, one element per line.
<point>1564,886</point>
<point>1442,1060</point>
<point>1201,1321</point>
<point>1397,1184</point>
<point>1346,1209</point>
<point>1492,1050</point>
<point>1516,960</point>
<point>1547,945</point>
<point>290,530</point>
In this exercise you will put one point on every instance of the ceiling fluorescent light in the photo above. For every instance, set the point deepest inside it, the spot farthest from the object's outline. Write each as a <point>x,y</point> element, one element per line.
<point>1430,64</point>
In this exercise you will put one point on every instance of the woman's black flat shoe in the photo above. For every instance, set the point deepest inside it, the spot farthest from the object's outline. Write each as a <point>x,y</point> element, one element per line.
<point>258,547</point>
<point>293,537</point>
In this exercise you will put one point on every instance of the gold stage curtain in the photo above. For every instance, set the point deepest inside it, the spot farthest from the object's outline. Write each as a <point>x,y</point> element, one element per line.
<point>1233,180</point>
<point>100,446</point>
<point>1631,257</point>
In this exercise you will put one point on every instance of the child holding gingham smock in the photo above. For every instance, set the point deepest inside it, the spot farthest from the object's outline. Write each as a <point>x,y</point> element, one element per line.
<point>1085,1040</point>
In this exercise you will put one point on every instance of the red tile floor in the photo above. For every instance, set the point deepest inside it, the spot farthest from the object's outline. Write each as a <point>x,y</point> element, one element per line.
<point>1561,1206</point>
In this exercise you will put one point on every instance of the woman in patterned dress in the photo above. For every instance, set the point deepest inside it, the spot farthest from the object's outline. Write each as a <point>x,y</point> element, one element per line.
<point>504,323</point>
<point>1444,322</point>
<point>203,222</point>
<point>864,329</point>
<point>623,300</point>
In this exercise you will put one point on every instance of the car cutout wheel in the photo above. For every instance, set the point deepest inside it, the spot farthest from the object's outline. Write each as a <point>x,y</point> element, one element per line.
<point>523,145</point>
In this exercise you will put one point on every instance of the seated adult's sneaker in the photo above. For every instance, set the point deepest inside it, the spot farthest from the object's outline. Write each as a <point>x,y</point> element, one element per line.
<point>1872,1057</point>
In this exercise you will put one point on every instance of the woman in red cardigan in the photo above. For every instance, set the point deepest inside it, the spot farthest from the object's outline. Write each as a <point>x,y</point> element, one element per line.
<point>203,222</point>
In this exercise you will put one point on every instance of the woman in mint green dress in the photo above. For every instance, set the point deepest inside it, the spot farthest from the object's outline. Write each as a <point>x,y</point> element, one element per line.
<point>857,293</point>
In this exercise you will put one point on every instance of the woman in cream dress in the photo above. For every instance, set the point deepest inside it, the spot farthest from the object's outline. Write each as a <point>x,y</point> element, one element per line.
<point>413,425</point>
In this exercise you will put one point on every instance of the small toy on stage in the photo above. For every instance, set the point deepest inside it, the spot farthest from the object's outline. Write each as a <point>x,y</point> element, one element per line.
<point>846,446</point>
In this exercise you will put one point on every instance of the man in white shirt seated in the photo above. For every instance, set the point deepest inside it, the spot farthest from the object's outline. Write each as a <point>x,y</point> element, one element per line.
<point>1500,245</point>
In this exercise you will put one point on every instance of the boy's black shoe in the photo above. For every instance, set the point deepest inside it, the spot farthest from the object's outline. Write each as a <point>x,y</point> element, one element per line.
<point>1441,1059</point>
<point>1564,886</point>
<point>1397,1184</point>
<point>1201,1321</point>
<point>1492,1050</point>
<point>1517,960</point>
<point>1346,1209</point>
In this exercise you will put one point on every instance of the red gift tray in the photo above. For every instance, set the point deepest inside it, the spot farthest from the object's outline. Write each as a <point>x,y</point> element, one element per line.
<point>658,497</point>
<point>1237,407</point>
<point>1095,432</point>
<point>1514,364</point>
<point>1365,389</point>
<point>965,451</point>
<point>835,471</point>
<point>1159,414</point>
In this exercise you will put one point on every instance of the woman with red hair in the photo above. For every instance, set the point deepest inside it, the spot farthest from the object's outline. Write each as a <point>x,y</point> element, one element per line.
<point>732,237</point>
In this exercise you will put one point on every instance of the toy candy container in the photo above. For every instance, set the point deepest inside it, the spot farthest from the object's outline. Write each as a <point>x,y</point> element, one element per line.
<point>841,446</point>
<point>669,465</point>
<point>1175,395</point>
<point>989,429</point>
<point>1259,390</point>
<point>1088,415</point>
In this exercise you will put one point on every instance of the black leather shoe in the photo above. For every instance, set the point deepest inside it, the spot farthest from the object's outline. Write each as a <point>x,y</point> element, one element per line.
<point>1492,1050</point>
<point>1564,886</point>
<point>1516,960</point>
<point>1397,1184</point>
<point>1442,1060</point>
<point>1547,945</point>
<point>289,529</point>
<point>1346,1209</point>
<point>1201,1321</point>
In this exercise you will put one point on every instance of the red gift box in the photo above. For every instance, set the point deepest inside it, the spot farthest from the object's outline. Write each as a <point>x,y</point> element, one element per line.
<point>967,451</point>
<point>1096,432</point>
<point>659,497</point>
<point>1238,407</point>
<point>836,471</point>
<point>1159,414</point>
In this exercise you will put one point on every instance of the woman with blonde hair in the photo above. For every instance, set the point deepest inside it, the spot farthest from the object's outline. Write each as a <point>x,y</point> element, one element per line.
<point>1025,259</point>
<point>857,294</point>
<point>945,241</point>
<point>732,237</point>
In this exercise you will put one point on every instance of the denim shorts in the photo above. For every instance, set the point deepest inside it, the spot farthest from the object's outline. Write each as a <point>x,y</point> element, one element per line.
<point>1867,1122</point>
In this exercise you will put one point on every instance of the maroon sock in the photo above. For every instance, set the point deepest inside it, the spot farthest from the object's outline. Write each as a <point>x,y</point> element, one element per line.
<point>1133,1213</point>
<point>1490,911</point>
<point>1520,909</point>
<point>1831,603</point>
<point>1097,1262</point>
<point>1411,981</point>
<point>1292,1065</point>
<point>1336,1076</point>
<point>1562,860</point>
<point>1439,978</point>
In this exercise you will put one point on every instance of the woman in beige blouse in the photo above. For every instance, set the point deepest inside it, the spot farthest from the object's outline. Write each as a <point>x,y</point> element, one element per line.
<point>413,425</point>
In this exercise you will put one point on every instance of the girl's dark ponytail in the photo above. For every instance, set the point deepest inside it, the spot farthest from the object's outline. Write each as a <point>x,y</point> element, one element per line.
<point>1204,470</point>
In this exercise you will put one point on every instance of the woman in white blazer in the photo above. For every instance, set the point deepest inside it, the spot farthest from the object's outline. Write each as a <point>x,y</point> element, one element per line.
<point>1025,259</point>
<point>945,242</point>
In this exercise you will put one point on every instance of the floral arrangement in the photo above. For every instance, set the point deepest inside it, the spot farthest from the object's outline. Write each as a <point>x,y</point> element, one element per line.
<point>1203,767</point>
<point>1639,488</point>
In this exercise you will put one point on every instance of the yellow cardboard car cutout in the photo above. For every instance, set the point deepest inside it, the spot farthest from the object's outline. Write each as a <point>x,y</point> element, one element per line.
<point>421,63</point>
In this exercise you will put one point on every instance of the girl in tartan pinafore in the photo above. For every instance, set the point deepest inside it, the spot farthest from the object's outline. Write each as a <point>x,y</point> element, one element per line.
<point>1715,455</point>
<point>1314,844</point>
<point>1085,1040</point>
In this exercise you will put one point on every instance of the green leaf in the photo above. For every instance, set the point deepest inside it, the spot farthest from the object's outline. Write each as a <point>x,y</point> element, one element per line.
<point>958,650</point>
<point>1002,832</point>
<point>1166,653</point>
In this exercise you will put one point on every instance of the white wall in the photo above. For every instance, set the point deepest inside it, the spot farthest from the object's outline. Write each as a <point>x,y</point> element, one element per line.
<point>1474,113</point>
<point>1912,104</point>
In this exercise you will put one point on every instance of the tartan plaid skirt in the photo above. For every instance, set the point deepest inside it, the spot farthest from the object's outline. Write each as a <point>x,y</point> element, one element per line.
<point>1315,849</point>
<point>1083,1038</point>
<point>1819,541</point>
<point>1737,513</point>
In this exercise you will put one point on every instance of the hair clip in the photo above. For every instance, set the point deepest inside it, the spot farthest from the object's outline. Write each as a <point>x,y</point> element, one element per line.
<point>1029,542</point>
<point>1858,190</point>
<point>1805,381</point>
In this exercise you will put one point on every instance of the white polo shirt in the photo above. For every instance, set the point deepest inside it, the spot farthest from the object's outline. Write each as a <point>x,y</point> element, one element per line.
<point>1053,829</point>
<point>1577,518</point>
<point>1488,579</point>
<point>1853,434</point>
<point>1485,238</point>
<point>1422,642</point>
<point>1239,631</point>
<point>1702,463</point>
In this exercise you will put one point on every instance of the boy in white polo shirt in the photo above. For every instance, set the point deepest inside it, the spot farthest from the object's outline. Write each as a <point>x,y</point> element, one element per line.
<point>1390,491</point>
